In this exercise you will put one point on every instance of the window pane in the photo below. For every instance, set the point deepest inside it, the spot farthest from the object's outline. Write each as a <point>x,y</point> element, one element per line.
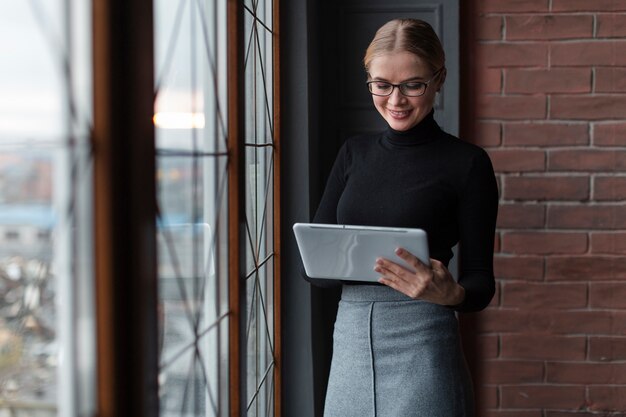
<point>47,354</point>
<point>192,161</point>
<point>259,207</point>
<point>190,45</point>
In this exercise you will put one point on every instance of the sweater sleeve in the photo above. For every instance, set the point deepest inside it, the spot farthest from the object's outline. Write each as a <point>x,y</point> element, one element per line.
<point>477,214</point>
<point>327,209</point>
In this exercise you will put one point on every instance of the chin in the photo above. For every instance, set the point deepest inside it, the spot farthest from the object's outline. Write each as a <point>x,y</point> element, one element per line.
<point>400,125</point>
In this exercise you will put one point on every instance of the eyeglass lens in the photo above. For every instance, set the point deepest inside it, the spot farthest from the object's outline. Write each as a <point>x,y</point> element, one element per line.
<point>410,89</point>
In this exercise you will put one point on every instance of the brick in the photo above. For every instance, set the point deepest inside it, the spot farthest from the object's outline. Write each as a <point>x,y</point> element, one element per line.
<point>609,134</point>
<point>588,6</point>
<point>488,346</point>
<point>607,398</point>
<point>545,134</point>
<point>511,372</point>
<point>611,188</point>
<point>495,301</point>
<point>588,53</point>
<point>487,134</point>
<point>511,6</point>
<point>542,347</point>
<point>493,320</point>
<point>585,268</point>
<point>579,414</point>
<point>609,243</point>
<point>543,396</point>
<point>556,80</point>
<point>516,413</point>
<point>598,107</point>
<point>544,296</point>
<point>529,268</point>
<point>551,321</point>
<point>521,216</point>
<point>496,242</point>
<point>607,349</point>
<point>489,28</point>
<point>487,396</point>
<point>489,80</point>
<point>583,322</point>
<point>585,373</point>
<point>543,243</point>
<point>511,107</point>
<point>607,295</point>
<point>549,26</point>
<point>512,55</point>
<point>610,217</point>
<point>546,188</point>
<point>611,25</point>
<point>571,414</point>
<point>610,80</point>
<point>586,160</point>
<point>517,160</point>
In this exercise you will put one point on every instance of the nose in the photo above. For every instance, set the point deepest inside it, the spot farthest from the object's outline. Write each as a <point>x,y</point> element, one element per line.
<point>396,96</point>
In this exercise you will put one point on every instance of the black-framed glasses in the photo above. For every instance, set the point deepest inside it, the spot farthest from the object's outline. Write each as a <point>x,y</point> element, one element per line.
<point>409,88</point>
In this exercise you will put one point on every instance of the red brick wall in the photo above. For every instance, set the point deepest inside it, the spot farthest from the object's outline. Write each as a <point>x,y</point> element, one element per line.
<point>544,91</point>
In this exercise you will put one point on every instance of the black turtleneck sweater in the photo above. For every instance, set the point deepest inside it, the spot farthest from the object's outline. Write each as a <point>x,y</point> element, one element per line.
<point>421,178</point>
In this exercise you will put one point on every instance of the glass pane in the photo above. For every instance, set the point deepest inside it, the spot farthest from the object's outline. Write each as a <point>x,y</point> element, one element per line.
<point>259,208</point>
<point>192,158</point>
<point>47,336</point>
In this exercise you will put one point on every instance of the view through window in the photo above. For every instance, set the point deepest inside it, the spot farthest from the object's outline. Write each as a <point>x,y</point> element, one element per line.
<point>191,117</point>
<point>46,281</point>
<point>47,335</point>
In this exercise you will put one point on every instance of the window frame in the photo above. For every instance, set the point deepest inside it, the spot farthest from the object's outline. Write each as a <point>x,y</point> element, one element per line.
<point>125,209</point>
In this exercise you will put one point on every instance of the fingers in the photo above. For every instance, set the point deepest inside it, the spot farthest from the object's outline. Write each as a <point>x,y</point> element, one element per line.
<point>401,279</point>
<point>413,289</point>
<point>435,264</point>
<point>384,266</point>
<point>393,284</point>
<point>409,258</point>
<point>399,270</point>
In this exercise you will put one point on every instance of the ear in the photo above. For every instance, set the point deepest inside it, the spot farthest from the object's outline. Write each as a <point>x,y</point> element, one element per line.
<point>441,78</point>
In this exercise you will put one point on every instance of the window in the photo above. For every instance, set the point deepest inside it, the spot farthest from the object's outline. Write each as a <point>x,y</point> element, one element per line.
<point>216,162</point>
<point>216,333</point>
<point>262,297</point>
<point>47,355</point>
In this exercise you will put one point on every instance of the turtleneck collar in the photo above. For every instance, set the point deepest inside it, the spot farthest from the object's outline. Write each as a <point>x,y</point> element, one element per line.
<point>421,133</point>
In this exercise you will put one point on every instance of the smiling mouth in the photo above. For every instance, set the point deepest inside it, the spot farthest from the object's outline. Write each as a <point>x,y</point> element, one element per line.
<point>399,114</point>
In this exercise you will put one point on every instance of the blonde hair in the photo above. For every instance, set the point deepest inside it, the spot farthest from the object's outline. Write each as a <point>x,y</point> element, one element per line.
<point>407,35</point>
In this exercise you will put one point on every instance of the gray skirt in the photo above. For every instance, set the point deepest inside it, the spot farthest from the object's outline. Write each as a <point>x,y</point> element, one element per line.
<point>396,357</point>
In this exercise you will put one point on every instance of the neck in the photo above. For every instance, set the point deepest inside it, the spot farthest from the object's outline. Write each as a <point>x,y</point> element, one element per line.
<point>423,132</point>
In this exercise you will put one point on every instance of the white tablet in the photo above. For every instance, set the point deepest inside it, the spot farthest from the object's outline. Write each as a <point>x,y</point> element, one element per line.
<point>349,252</point>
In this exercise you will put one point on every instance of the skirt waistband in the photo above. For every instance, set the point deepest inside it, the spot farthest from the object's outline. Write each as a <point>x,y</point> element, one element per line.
<point>372,293</point>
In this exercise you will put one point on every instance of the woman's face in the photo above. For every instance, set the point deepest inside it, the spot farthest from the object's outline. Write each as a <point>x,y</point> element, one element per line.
<point>400,111</point>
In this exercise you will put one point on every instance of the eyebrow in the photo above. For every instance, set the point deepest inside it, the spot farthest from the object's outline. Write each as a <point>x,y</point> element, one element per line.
<point>416,78</point>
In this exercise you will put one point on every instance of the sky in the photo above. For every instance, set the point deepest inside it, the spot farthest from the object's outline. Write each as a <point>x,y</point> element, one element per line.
<point>33,45</point>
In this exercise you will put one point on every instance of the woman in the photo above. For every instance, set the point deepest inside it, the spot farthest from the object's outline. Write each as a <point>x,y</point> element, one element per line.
<point>396,348</point>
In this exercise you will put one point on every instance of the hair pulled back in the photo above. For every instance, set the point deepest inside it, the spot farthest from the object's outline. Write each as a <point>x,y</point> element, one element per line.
<point>407,35</point>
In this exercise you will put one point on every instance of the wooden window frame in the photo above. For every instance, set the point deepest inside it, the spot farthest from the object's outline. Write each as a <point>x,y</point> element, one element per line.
<point>125,209</point>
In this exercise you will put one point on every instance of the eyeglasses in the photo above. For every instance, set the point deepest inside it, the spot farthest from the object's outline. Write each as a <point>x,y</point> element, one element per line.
<point>409,88</point>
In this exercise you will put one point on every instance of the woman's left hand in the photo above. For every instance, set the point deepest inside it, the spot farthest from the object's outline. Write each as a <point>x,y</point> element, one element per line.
<point>432,283</point>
